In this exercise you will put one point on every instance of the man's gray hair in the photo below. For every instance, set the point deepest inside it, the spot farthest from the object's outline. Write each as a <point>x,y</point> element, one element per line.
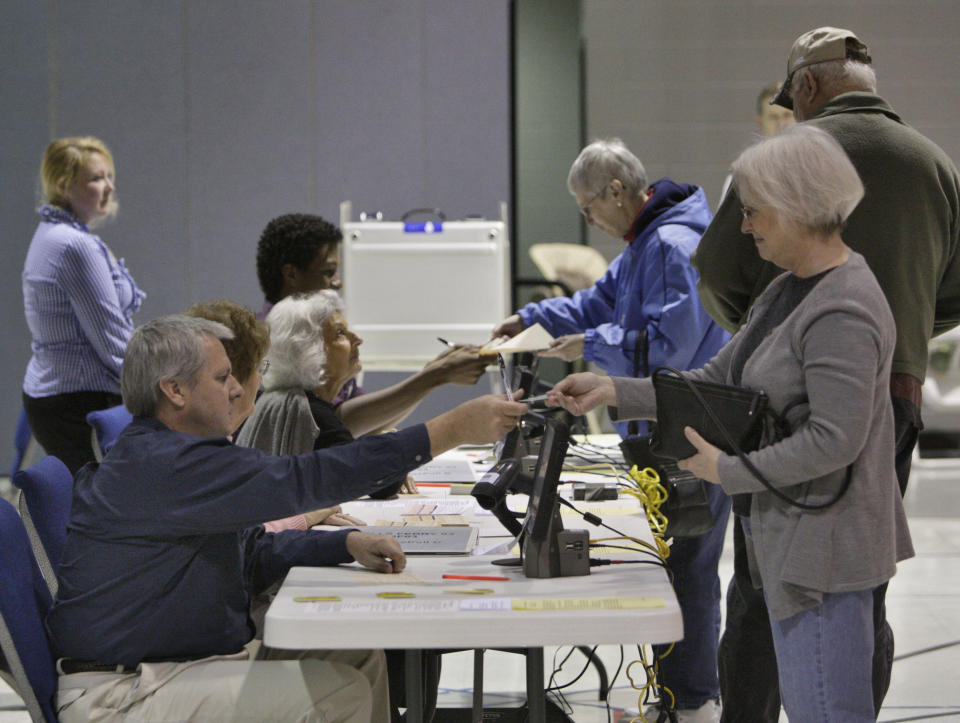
<point>803,174</point>
<point>838,76</point>
<point>297,355</point>
<point>601,162</point>
<point>171,347</point>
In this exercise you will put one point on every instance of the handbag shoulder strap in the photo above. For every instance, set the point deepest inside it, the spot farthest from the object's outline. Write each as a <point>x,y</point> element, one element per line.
<point>641,355</point>
<point>728,438</point>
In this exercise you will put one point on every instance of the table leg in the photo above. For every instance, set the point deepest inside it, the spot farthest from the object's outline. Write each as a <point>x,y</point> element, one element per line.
<point>477,713</point>
<point>536,695</point>
<point>413,669</point>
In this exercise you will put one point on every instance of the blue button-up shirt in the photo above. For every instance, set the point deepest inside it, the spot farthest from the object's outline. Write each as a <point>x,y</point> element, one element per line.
<point>164,546</point>
<point>79,301</point>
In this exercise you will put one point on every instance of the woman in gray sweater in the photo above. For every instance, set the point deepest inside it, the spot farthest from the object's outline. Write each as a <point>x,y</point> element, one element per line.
<point>820,341</point>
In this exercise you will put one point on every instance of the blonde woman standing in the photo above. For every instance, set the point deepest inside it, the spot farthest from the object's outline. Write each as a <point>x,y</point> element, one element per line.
<point>78,301</point>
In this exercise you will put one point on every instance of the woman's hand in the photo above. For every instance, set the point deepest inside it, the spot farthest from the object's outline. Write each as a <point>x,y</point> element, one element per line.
<point>509,327</point>
<point>332,516</point>
<point>704,463</point>
<point>579,393</point>
<point>568,348</point>
<point>461,364</point>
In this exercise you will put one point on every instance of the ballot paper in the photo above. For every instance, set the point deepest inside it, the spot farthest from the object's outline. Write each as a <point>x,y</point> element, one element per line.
<point>533,338</point>
<point>444,470</point>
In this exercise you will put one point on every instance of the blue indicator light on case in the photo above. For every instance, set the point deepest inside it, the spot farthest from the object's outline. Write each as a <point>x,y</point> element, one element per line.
<point>423,227</point>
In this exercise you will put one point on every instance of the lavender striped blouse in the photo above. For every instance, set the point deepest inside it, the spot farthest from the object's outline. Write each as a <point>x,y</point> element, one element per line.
<point>79,301</point>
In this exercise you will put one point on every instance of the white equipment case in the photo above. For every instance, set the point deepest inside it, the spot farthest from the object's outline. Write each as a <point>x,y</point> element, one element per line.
<point>407,283</point>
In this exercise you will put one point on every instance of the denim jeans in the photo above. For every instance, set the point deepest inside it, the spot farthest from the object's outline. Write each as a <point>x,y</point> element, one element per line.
<point>824,656</point>
<point>748,669</point>
<point>690,670</point>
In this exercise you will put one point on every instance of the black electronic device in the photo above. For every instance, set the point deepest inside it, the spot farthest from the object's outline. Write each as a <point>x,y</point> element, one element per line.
<point>491,491</point>
<point>523,377</point>
<point>547,549</point>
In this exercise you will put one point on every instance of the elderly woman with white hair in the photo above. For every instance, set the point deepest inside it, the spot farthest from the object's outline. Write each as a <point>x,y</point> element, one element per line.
<point>312,355</point>
<point>820,341</point>
<point>645,311</point>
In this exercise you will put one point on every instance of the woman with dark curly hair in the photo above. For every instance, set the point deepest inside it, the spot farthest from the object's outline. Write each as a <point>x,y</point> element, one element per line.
<point>298,253</point>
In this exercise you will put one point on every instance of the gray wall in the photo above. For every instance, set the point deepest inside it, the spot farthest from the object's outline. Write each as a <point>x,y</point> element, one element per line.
<point>677,79</point>
<point>224,114</point>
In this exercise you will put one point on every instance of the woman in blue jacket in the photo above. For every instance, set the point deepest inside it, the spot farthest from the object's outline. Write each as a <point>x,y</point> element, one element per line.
<point>649,287</point>
<point>78,299</point>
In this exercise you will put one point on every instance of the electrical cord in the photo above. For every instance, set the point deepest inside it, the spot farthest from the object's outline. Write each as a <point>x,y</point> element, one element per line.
<point>595,451</point>
<point>651,675</point>
<point>613,681</point>
<point>655,560</point>
<point>606,469</point>
<point>595,520</point>
<point>651,494</point>
<point>579,675</point>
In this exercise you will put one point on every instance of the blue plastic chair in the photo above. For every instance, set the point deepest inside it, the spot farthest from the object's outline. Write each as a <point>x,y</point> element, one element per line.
<point>26,449</point>
<point>24,602</point>
<point>46,494</point>
<point>107,425</point>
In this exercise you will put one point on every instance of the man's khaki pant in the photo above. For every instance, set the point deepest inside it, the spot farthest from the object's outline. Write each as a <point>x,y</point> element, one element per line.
<point>258,684</point>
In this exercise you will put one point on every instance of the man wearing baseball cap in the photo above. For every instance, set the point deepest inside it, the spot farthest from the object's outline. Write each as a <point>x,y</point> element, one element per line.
<point>908,229</point>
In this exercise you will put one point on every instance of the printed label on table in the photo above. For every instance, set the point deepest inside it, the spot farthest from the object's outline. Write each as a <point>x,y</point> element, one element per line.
<point>589,603</point>
<point>387,606</point>
<point>490,603</point>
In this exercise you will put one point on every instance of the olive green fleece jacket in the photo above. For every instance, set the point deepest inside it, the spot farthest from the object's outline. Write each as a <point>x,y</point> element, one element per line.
<point>907,227</point>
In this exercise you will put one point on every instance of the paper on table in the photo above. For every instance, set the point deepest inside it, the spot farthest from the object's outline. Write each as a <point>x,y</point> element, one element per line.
<point>589,603</point>
<point>445,470</point>
<point>533,338</point>
<point>385,606</point>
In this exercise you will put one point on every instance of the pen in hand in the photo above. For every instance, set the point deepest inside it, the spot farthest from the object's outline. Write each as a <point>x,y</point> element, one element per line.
<point>503,376</point>
<point>445,342</point>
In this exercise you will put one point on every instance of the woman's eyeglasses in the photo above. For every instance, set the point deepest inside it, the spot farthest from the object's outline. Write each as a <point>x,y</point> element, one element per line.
<point>585,208</point>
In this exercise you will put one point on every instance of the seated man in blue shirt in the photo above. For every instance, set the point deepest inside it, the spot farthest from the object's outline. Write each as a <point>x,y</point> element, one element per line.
<point>165,547</point>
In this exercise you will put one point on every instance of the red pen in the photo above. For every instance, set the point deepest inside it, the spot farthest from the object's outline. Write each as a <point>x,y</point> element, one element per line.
<point>474,577</point>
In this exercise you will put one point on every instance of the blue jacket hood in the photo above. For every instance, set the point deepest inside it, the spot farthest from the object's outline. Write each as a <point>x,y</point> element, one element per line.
<point>673,202</point>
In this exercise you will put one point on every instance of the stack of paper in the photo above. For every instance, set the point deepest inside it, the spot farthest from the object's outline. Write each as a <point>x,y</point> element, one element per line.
<point>533,338</point>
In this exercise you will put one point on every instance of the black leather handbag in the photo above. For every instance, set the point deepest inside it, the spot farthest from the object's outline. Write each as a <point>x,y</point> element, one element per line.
<point>730,418</point>
<point>709,408</point>
<point>687,507</point>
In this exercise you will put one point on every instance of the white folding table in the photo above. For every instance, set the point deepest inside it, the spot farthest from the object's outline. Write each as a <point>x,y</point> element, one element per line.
<point>420,609</point>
